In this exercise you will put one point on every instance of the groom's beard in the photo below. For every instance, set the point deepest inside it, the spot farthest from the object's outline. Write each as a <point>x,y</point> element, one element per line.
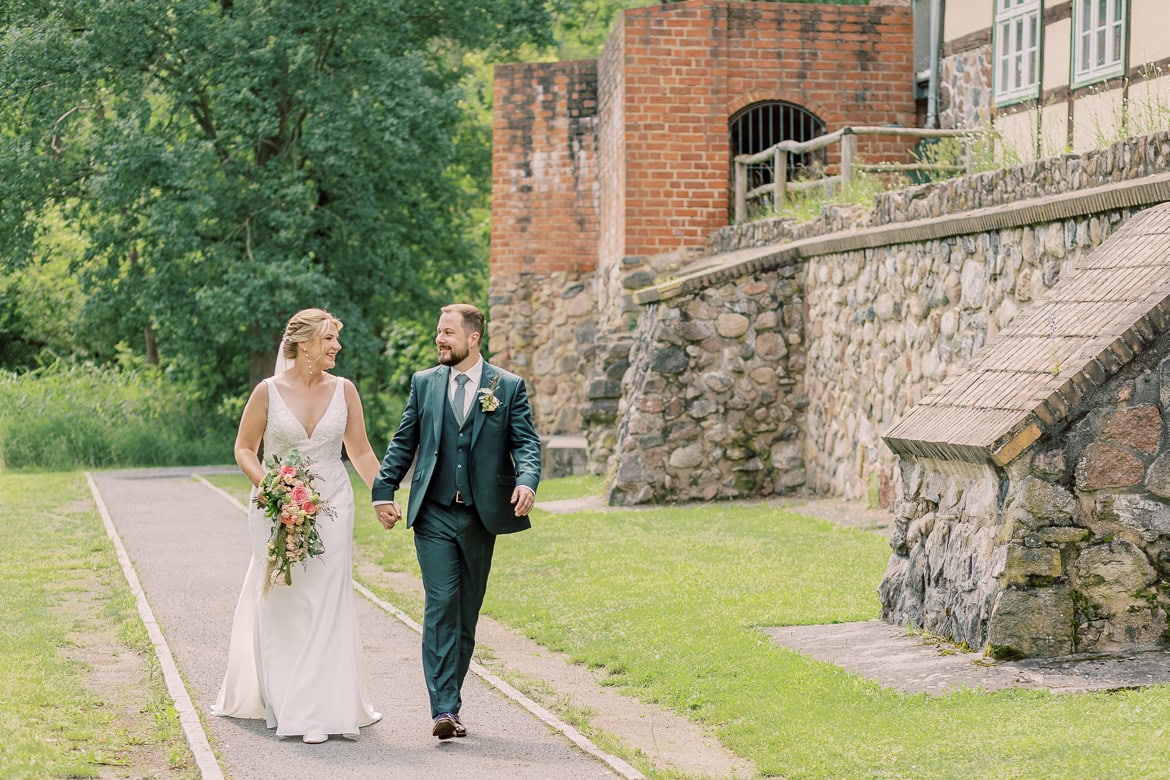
<point>454,356</point>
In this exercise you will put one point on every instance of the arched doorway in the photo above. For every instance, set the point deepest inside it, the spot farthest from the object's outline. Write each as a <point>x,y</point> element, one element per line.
<point>756,127</point>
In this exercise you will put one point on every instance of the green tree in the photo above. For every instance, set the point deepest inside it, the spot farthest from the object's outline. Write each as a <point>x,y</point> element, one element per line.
<point>226,163</point>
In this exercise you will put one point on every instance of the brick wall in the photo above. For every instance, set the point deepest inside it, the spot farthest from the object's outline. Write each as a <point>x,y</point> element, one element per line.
<point>544,168</point>
<point>604,171</point>
<point>639,142</point>
<point>689,66</point>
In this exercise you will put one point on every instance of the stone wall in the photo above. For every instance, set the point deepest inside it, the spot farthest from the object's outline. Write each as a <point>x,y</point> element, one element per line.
<point>880,328</point>
<point>1135,158</point>
<point>964,88</point>
<point>885,326</point>
<point>712,395</point>
<point>610,355</point>
<point>545,329</point>
<point>1067,550</point>
<point>946,529</point>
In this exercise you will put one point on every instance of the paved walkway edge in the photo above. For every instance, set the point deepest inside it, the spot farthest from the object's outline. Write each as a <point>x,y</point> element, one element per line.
<point>192,726</point>
<point>623,769</point>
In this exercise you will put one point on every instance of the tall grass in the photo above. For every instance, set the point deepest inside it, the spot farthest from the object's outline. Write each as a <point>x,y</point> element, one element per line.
<point>807,205</point>
<point>67,415</point>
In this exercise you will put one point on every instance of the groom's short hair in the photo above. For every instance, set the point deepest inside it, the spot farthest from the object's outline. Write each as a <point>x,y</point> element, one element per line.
<point>473,319</point>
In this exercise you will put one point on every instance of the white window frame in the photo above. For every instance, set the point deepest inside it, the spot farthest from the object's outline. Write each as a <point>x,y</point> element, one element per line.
<point>1099,39</point>
<point>1018,29</point>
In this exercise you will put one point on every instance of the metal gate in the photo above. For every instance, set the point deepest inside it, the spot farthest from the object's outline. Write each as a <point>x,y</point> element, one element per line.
<point>761,125</point>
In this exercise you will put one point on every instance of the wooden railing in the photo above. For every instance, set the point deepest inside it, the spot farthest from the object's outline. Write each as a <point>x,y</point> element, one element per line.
<point>779,187</point>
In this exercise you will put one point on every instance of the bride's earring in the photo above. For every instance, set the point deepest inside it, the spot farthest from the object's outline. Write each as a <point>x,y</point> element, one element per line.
<point>309,359</point>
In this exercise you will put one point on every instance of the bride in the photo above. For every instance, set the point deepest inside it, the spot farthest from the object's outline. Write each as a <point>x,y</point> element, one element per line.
<point>295,656</point>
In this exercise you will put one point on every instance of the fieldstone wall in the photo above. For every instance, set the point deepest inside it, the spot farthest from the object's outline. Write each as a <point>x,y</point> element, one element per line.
<point>544,327</point>
<point>887,325</point>
<point>610,355</point>
<point>1067,550</point>
<point>964,88</point>
<point>712,394</point>
<point>858,337</point>
<point>1134,158</point>
<point>946,530</point>
<point>884,326</point>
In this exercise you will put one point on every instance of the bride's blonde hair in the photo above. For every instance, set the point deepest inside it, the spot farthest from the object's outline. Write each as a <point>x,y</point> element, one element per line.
<point>303,327</point>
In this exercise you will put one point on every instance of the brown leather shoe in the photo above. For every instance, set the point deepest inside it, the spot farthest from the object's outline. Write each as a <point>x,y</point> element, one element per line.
<point>445,726</point>
<point>460,729</point>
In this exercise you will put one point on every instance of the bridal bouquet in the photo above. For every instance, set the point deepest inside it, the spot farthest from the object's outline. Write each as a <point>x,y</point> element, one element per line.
<point>288,496</point>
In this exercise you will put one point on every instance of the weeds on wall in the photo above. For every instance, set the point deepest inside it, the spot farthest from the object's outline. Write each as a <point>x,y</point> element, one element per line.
<point>1141,112</point>
<point>983,150</point>
<point>807,205</point>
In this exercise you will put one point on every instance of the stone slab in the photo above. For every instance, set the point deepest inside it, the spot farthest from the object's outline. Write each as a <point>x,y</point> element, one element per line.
<point>895,657</point>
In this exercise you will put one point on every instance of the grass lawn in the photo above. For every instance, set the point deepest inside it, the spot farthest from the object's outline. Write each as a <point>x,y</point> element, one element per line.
<point>66,609</point>
<point>669,602</point>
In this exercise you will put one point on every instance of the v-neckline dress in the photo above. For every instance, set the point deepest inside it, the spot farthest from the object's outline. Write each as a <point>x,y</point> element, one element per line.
<point>295,654</point>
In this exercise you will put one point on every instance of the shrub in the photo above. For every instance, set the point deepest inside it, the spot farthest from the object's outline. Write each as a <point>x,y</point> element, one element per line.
<point>71,415</point>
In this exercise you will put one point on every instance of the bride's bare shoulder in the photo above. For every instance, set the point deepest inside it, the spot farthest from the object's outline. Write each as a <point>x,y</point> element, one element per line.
<point>348,387</point>
<point>259,394</point>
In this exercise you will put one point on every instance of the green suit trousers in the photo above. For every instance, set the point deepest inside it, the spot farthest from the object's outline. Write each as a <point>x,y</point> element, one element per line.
<point>455,556</point>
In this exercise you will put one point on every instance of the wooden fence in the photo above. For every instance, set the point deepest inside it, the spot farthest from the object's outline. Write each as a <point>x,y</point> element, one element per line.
<point>847,137</point>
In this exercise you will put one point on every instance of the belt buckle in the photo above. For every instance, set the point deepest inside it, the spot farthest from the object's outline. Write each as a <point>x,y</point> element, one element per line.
<point>459,498</point>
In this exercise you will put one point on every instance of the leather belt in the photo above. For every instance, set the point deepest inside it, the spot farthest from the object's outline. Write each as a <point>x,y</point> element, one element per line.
<point>459,498</point>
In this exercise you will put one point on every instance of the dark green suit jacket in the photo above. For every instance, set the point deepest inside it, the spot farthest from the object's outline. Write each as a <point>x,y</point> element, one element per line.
<point>505,450</point>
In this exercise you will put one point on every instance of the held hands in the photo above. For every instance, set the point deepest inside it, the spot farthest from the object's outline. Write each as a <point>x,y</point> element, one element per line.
<point>523,498</point>
<point>388,514</point>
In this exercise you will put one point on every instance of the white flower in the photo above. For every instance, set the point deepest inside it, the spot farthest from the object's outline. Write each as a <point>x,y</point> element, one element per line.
<point>487,400</point>
<point>487,396</point>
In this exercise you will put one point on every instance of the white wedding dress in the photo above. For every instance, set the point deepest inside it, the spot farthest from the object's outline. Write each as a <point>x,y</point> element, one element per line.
<point>295,655</point>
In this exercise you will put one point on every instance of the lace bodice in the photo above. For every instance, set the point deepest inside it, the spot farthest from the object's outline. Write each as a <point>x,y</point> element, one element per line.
<point>284,431</point>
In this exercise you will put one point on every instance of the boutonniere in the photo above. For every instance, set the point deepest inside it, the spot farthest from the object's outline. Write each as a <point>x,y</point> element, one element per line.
<point>487,395</point>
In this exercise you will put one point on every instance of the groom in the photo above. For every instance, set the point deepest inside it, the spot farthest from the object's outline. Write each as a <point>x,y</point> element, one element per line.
<point>470,425</point>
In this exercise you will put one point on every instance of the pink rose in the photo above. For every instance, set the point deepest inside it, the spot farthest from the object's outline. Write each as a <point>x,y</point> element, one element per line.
<point>301,494</point>
<point>287,471</point>
<point>287,519</point>
<point>309,508</point>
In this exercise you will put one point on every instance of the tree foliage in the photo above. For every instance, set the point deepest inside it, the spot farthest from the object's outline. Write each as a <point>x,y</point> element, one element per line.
<point>227,163</point>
